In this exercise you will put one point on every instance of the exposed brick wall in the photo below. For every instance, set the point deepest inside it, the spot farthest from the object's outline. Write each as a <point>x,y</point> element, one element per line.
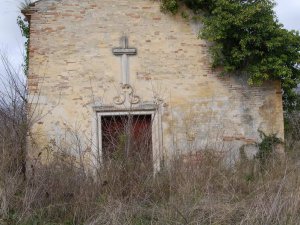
<point>72,68</point>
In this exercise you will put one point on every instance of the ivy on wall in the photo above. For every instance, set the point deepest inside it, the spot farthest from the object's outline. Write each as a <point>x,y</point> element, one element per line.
<point>248,37</point>
<point>25,30</point>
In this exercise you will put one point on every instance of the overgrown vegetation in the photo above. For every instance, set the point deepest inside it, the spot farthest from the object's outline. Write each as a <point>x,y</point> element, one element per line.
<point>292,133</point>
<point>25,30</point>
<point>204,191</point>
<point>247,37</point>
<point>207,191</point>
<point>13,119</point>
<point>267,147</point>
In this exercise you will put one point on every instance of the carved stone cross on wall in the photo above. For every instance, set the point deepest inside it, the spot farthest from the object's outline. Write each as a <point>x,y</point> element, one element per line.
<point>124,51</point>
<point>127,96</point>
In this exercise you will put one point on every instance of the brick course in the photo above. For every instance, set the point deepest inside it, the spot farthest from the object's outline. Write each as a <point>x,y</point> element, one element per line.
<point>73,69</point>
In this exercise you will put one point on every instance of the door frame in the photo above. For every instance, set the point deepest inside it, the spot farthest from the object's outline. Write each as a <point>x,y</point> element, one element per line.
<point>156,131</point>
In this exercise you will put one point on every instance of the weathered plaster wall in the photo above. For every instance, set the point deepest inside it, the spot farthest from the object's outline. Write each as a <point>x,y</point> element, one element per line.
<point>72,69</point>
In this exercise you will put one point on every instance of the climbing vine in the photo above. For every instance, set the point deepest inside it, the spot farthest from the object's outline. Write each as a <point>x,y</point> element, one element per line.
<point>267,147</point>
<point>248,37</point>
<point>24,27</point>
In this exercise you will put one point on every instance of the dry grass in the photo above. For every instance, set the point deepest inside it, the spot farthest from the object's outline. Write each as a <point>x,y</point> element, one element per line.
<point>292,131</point>
<point>208,192</point>
<point>205,192</point>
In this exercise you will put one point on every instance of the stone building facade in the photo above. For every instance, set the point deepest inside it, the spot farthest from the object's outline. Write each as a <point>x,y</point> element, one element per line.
<point>91,58</point>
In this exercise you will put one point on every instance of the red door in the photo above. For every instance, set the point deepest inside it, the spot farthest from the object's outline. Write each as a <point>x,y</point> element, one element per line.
<point>127,137</point>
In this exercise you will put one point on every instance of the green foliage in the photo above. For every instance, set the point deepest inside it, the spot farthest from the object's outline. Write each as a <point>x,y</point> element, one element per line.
<point>170,6</point>
<point>184,15</point>
<point>248,37</point>
<point>24,27</point>
<point>266,148</point>
<point>292,101</point>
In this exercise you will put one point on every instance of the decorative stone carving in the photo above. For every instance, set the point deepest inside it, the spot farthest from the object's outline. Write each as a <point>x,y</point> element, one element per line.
<point>127,96</point>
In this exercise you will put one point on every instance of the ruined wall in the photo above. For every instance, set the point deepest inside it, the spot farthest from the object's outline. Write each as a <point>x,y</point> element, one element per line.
<point>72,69</point>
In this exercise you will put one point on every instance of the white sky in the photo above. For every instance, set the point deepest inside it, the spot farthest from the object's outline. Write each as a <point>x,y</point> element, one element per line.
<point>11,41</point>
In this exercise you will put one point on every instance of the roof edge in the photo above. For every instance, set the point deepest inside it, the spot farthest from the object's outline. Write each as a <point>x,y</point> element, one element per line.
<point>29,10</point>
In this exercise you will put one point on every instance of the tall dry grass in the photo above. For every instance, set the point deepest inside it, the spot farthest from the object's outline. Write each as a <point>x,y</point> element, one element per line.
<point>202,191</point>
<point>206,192</point>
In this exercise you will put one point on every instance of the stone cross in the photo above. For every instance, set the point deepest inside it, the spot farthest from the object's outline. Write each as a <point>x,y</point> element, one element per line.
<point>124,52</point>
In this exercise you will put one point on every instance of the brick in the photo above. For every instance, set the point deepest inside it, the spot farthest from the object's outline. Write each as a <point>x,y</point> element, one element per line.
<point>72,66</point>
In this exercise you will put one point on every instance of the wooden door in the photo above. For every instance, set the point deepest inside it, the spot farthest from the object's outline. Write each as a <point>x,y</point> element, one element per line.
<point>127,137</point>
